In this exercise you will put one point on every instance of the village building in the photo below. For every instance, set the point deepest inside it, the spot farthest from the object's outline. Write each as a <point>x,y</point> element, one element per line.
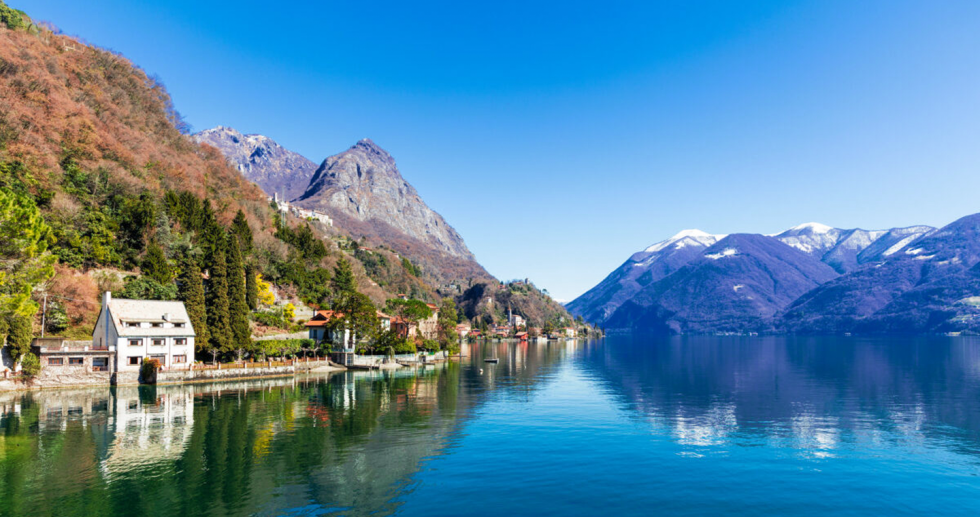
<point>429,327</point>
<point>144,329</point>
<point>73,362</point>
<point>322,329</point>
<point>515,320</point>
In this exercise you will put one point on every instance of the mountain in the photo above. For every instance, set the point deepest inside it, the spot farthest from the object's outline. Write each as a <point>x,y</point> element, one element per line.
<point>739,283</point>
<point>261,160</point>
<point>643,268</point>
<point>811,278</point>
<point>363,186</point>
<point>928,284</point>
<point>846,250</point>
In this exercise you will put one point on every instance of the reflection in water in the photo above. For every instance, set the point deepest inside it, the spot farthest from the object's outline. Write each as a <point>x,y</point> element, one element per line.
<point>807,394</point>
<point>681,425</point>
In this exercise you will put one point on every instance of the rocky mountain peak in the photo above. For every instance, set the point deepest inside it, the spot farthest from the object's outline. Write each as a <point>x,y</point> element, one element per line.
<point>363,187</point>
<point>261,160</point>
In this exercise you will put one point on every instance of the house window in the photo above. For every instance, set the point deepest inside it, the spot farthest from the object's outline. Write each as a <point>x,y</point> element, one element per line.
<point>156,325</point>
<point>135,342</point>
<point>178,325</point>
<point>56,361</point>
<point>180,341</point>
<point>76,361</point>
<point>157,342</point>
<point>178,359</point>
<point>100,364</point>
<point>134,361</point>
<point>132,324</point>
<point>161,358</point>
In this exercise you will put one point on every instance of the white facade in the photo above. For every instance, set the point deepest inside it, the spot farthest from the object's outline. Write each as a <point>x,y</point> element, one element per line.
<point>141,329</point>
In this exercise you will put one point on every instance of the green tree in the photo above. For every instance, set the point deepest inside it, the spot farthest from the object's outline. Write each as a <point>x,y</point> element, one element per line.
<point>343,281</point>
<point>251,288</point>
<point>155,264</point>
<point>192,294</point>
<point>359,316</point>
<point>409,267</point>
<point>241,229</point>
<point>413,311</point>
<point>30,365</point>
<point>12,18</point>
<point>20,333</point>
<point>237,303</point>
<point>145,288</point>
<point>25,260</point>
<point>447,323</point>
<point>219,325</point>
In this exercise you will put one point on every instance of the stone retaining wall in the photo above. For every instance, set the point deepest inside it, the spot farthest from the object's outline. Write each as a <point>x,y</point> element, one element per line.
<point>179,376</point>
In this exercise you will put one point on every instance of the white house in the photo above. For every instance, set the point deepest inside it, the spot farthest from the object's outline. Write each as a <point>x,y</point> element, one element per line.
<point>140,329</point>
<point>515,320</point>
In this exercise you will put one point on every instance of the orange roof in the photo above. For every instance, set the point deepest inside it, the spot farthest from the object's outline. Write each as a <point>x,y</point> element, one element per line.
<point>321,318</point>
<point>383,315</point>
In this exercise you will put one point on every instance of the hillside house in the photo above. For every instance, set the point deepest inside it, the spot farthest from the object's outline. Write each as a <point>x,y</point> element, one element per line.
<point>144,329</point>
<point>321,329</point>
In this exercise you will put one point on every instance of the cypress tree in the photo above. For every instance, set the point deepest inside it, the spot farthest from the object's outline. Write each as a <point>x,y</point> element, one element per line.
<point>155,265</point>
<point>343,281</point>
<point>240,229</point>
<point>219,327</point>
<point>237,304</point>
<point>251,288</point>
<point>192,294</point>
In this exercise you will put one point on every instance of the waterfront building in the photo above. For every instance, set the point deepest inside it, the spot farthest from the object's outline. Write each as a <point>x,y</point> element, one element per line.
<point>144,329</point>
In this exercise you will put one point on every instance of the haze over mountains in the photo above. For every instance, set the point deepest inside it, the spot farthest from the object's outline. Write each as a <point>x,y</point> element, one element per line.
<point>809,279</point>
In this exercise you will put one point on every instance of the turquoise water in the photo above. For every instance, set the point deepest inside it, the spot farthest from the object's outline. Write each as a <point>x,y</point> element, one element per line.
<point>628,426</point>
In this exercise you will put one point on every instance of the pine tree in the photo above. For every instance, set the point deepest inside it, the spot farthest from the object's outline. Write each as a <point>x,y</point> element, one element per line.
<point>251,288</point>
<point>192,294</point>
<point>155,265</point>
<point>237,304</point>
<point>343,281</point>
<point>241,229</point>
<point>219,326</point>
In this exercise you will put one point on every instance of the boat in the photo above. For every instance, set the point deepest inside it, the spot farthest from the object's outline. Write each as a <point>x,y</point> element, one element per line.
<point>493,359</point>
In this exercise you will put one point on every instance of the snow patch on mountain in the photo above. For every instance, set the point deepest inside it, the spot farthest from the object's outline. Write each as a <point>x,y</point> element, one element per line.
<point>728,252</point>
<point>686,238</point>
<point>899,245</point>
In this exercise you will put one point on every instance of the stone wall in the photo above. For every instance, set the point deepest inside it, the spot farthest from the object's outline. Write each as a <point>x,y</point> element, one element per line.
<point>179,376</point>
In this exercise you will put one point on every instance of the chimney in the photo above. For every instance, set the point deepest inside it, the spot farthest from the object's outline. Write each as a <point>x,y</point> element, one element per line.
<point>106,298</point>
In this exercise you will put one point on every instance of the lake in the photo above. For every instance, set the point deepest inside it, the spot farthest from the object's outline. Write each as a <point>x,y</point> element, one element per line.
<point>624,426</point>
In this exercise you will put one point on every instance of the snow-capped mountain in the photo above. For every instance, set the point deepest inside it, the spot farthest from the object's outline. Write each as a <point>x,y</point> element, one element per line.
<point>643,268</point>
<point>810,278</point>
<point>846,250</point>
<point>740,283</point>
<point>921,283</point>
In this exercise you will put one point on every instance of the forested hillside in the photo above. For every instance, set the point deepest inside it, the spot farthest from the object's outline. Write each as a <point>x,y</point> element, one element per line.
<point>106,191</point>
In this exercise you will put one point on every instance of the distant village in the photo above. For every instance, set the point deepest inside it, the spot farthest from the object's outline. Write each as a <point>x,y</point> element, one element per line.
<point>303,213</point>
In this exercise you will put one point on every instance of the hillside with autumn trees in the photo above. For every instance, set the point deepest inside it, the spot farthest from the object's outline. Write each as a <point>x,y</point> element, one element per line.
<point>95,157</point>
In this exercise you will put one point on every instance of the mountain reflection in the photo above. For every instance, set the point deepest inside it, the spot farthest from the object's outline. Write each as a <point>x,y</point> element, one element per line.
<point>806,394</point>
<point>359,443</point>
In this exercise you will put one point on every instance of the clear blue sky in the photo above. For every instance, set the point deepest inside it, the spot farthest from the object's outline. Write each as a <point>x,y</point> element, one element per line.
<point>560,137</point>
